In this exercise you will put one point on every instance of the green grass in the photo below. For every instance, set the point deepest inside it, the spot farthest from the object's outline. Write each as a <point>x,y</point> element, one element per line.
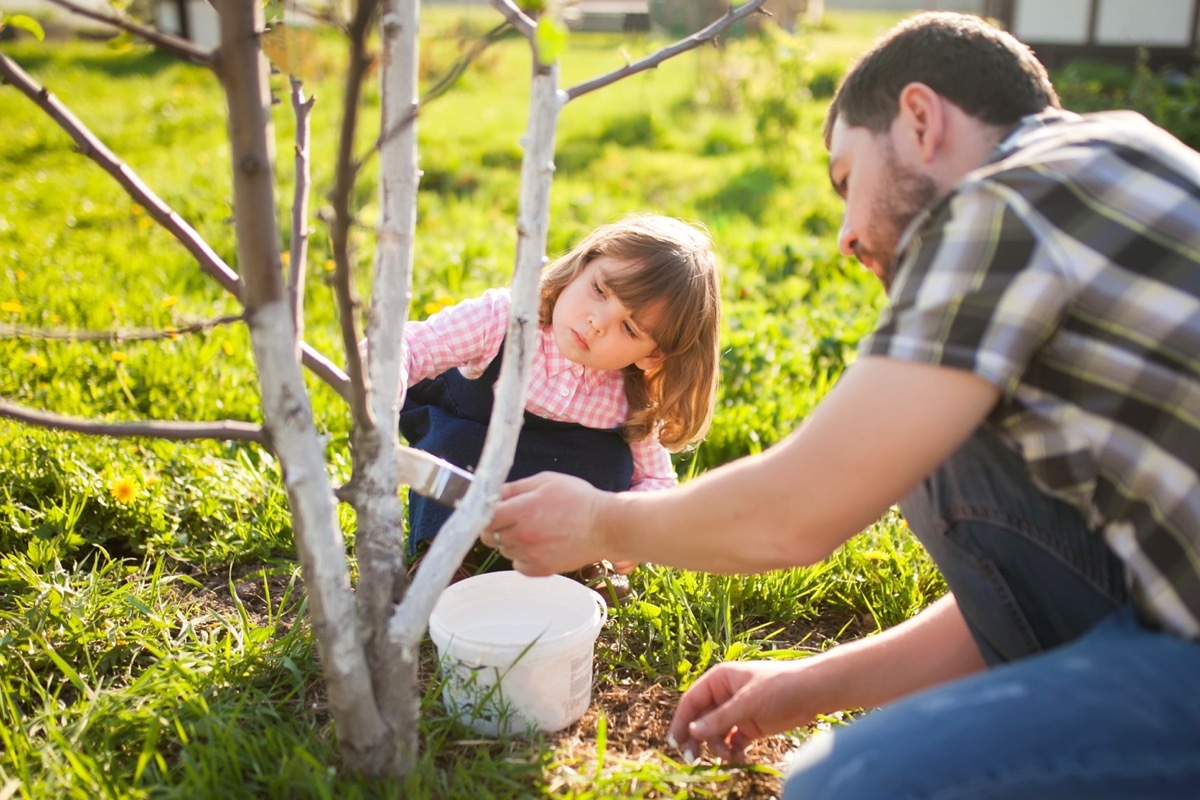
<point>153,641</point>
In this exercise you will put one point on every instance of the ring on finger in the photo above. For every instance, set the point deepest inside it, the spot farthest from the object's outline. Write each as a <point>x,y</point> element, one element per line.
<point>496,538</point>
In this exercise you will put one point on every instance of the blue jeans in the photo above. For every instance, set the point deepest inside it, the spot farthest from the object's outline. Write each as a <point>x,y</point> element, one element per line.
<point>1081,700</point>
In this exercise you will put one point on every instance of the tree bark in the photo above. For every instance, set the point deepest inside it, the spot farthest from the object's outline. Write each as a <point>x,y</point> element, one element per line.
<point>287,412</point>
<point>380,547</point>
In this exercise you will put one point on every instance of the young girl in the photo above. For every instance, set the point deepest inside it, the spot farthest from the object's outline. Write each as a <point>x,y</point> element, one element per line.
<point>624,371</point>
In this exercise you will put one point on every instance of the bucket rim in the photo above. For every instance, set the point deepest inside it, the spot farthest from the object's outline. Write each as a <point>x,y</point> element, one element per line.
<point>589,631</point>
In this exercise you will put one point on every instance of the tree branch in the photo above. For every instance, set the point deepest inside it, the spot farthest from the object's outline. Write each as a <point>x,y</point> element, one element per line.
<point>139,335</point>
<point>182,48</point>
<point>516,17</point>
<point>339,234</point>
<point>212,264</point>
<point>458,535</point>
<point>707,34</point>
<point>224,430</point>
<point>444,84</point>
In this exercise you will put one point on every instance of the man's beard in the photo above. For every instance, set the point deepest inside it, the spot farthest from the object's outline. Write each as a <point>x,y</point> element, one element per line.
<point>911,192</point>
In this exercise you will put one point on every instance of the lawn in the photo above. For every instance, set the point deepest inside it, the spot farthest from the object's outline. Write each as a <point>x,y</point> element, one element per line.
<point>153,636</point>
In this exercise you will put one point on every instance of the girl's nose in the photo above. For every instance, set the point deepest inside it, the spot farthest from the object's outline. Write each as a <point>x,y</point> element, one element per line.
<point>599,320</point>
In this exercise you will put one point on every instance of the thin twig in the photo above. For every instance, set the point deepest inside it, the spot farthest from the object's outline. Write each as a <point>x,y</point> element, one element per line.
<point>444,84</point>
<point>339,235</point>
<point>222,430</point>
<point>299,251</point>
<point>164,215</point>
<point>175,45</point>
<point>707,34</point>
<point>139,335</point>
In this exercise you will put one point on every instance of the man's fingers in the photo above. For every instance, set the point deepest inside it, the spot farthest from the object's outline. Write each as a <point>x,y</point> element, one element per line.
<point>696,702</point>
<point>519,487</point>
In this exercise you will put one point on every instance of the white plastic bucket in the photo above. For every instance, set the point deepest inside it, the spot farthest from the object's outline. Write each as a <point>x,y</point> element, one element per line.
<point>516,652</point>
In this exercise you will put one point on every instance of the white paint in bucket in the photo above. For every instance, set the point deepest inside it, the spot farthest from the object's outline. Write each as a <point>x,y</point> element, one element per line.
<point>516,652</point>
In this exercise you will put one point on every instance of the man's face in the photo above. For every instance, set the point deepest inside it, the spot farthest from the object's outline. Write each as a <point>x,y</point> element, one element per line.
<point>882,196</point>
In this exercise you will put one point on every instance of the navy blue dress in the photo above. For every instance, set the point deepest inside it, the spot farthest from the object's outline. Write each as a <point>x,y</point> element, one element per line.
<point>448,417</point>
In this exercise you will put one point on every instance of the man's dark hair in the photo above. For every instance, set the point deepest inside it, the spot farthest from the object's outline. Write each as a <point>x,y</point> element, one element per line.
<point>984,71</point>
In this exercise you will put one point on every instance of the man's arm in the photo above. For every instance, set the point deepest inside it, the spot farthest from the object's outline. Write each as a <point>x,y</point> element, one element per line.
<point>885,426</point>
<point>735,703</point>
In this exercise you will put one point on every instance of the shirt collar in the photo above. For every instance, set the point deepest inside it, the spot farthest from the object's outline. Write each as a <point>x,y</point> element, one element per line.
<point>1014,138</point>
<point>1008,144</point>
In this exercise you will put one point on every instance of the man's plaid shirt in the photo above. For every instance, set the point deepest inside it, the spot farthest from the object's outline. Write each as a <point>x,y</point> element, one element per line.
<point>1066,271</point>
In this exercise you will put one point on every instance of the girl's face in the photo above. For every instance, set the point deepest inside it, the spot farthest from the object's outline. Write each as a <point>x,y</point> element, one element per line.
<point>593,328</point>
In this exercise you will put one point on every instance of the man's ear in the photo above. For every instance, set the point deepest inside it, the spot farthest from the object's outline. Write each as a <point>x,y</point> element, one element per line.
<point>922,113</point>
<point>652,361</point>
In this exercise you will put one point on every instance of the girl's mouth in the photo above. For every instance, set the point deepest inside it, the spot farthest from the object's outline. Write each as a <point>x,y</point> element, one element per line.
<point>579,340</point>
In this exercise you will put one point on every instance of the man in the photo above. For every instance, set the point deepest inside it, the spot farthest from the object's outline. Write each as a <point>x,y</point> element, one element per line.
<point>1031,396</point>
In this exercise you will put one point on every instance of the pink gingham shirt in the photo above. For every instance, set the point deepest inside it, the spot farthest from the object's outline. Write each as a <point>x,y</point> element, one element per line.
<point>468,336</point>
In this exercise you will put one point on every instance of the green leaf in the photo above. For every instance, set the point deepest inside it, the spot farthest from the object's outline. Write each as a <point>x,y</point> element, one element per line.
<point>25,23</point>
<point>551,39</point>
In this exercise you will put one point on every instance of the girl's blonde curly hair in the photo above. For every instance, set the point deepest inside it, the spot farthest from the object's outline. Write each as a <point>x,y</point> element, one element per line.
<point>677,270</point>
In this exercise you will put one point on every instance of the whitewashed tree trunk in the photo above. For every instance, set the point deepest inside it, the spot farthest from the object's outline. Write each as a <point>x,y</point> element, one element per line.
<point>380,547</point>
<point>287,412</point>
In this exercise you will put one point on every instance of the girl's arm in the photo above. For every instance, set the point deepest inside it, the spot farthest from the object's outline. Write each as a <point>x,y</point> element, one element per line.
<point>652,467</point>
<point>466,335</point>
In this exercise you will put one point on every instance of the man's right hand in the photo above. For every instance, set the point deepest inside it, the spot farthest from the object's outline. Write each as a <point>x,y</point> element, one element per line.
<point>546,524</point>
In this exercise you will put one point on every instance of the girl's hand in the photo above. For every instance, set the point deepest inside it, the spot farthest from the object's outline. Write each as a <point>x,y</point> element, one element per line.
<point>624,567</point>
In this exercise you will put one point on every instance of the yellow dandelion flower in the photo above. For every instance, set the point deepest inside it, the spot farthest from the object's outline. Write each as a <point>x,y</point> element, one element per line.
<point>227,346</point>
<point>55,319</point>
<point>145,223</point>
<point>36,360</point>
<point>20,274</point>
<point>432,307</point>
<point>285,257</point>
<point>329,265</point>
<point>10,307</point>
<point>137,211</point>
<point>119,357</point>
<point>875,555</point>
<point>123,490</point>
<point>169,301</point>
<point>446,300</point>
<point>172,332</point>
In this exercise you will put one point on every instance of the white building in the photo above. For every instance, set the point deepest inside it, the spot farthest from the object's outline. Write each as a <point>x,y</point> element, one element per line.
<point>1103,29</point>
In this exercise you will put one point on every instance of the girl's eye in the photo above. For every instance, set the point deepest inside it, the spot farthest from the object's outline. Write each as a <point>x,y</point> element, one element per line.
<point>630,331</point>
<point>596,288</point>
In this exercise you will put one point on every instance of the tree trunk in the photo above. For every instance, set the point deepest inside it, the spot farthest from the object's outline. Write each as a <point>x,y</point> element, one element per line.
<point>287,413</point>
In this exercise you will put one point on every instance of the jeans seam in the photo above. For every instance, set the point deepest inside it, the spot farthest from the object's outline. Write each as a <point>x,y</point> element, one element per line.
<point>1009,605</point>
